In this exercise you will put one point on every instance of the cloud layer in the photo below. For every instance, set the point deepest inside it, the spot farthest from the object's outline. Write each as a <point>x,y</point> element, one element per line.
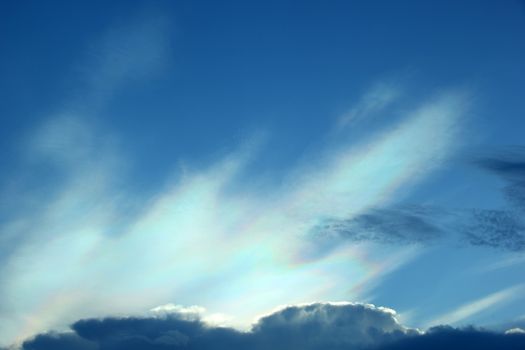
<point>327,326</point>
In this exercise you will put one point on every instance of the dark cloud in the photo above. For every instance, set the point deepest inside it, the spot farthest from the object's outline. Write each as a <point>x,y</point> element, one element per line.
<point>319,326</point>
<point>313,326</point>
<point>495,228</point>
<point>445,337</point>
<point>60,341</point>
<point>135,333</point>
<point>510,166</point>
<point>510,163</point>
<point>501,229</point>
<point>415,224</point>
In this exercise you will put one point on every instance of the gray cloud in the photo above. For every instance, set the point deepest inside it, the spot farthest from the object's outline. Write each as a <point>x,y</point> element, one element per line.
<point>446,337</point>
<point>415,224</point>
<point>495,228</point>
<point>510,166</point>
<point>60,341</point>
<point>500,228</point>
<point>315,326</point>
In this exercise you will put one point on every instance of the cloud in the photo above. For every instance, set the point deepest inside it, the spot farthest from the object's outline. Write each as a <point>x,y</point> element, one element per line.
<point>495,228</point>
<point>91,243</point>
<point>416,224</point>
<point>199,237</point>
<point>504,263</point>
<point>191,312</point>
<point>375,100</point>
<point>510,166</point>
<point>329,326</point>
<point>393,225</point>
<point>515,331</point>
<point>464,312</point>
<point>65,200</point>
<point>131,50</point>
<point>446,337</point>
<point>60,341</point>
<point>311,326</point>
<point>501,228</point>
<point>326,326</point>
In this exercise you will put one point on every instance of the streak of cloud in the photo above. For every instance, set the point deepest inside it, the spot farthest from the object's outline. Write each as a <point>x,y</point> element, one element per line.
<point>374,101</point>
<point>464,312</point>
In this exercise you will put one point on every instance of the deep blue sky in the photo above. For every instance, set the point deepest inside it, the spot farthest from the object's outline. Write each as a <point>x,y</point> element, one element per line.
<point>363,151</point>
<point>236,66</point>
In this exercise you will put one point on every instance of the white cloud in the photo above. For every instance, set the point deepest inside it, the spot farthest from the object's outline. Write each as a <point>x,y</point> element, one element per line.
<point>503,263</point>
<point>330,325</point>
<point>179,309</point>
<point>196,242</point>
<point>515,331</point>
<point>375,100</point>
<point>468,310</point>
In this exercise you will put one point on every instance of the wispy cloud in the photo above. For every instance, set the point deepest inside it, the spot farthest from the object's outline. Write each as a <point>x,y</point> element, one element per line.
<point>199,239</point>
<point>90,246</point>
<point>510,166</point>
<point>495,228</point>
<point>375,100</point>
<point>466,311</point>
<point>131,50</point>
<point>396,225</point>
<point>504,263</point>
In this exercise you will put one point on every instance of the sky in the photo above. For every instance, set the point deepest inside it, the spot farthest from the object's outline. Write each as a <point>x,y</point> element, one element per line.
<point>208,175</point>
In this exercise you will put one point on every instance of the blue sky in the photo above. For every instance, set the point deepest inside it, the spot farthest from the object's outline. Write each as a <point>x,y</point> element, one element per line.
<point>228,158</point>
